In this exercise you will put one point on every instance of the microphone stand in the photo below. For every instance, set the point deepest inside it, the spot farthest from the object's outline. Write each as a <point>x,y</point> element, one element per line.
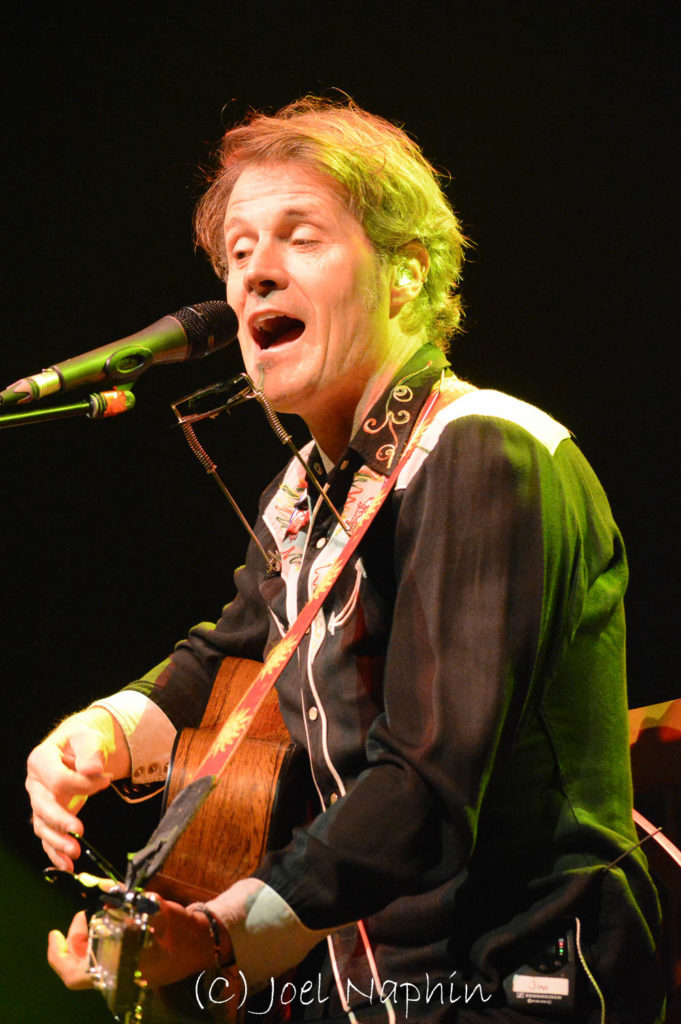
<point>101,405</point>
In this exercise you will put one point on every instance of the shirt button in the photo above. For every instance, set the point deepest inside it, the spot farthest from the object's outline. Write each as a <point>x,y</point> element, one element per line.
<point>344,464</point>
<point>333,798</point>
<point>313,714</point>
<point>321,542</point>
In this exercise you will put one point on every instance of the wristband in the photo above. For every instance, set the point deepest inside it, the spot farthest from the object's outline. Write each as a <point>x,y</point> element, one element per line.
<point>215,925</point>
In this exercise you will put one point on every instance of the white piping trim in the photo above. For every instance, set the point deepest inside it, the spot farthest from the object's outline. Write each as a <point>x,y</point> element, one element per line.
<point>369,953</point>
<point>324,723</point>
<point>307,737</point>
<point>337,621</point>
<point>339,983</point>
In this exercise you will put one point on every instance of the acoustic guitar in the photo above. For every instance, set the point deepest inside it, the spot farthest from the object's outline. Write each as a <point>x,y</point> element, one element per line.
<point>264,793</point>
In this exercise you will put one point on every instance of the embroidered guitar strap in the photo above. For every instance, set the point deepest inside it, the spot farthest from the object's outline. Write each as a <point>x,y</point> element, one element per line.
<point>236,726</point>
<point>146,862</point>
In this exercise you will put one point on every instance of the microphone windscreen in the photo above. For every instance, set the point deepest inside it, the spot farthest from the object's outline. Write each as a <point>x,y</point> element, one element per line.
<point>208,326</point>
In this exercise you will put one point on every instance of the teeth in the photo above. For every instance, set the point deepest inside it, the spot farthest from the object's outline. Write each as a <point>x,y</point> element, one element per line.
<point>272,326</point>
<point>265,322</point>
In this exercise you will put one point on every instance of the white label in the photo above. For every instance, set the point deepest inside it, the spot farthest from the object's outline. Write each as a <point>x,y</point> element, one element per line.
<point>530,984</point>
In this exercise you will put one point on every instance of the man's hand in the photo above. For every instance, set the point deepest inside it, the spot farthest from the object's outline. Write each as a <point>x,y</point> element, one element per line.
<point>67,955</point>
<point>79,758</point>
<point>182,944</point>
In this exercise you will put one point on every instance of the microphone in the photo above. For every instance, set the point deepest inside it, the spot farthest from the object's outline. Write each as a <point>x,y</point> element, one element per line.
<point>191,333</point>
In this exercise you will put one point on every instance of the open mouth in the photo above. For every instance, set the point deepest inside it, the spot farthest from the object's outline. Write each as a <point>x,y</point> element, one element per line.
<point>274,330</point>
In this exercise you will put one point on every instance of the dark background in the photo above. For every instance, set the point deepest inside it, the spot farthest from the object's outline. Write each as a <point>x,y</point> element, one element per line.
<point>559,124</point>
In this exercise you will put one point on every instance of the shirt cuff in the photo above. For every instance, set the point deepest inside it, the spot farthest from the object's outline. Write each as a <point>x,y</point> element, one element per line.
<point>149,733</point>
<point>267,935</point>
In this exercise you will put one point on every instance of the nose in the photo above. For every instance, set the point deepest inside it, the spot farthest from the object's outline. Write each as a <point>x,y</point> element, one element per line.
<point>265,271</point>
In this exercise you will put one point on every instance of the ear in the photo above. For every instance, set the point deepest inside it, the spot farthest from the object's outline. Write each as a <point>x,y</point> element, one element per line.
<point>408,276</point>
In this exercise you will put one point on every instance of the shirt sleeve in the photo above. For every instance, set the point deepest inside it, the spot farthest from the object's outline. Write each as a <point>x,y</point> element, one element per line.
<point>267,936</point>
<point>148,731</point>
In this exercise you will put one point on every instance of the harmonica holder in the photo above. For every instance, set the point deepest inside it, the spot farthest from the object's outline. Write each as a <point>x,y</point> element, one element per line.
<point>210,402</point>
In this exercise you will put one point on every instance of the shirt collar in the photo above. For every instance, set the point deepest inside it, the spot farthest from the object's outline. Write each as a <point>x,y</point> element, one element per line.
<point>385,431</point>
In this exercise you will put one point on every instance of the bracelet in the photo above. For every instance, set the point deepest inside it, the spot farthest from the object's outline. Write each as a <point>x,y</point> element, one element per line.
<point>215,925</point>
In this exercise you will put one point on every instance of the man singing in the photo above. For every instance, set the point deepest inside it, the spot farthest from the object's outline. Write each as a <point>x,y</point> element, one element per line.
<point>461,692</point>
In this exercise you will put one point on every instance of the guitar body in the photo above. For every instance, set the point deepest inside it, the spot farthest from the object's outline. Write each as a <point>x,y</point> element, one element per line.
<point>261,796</point>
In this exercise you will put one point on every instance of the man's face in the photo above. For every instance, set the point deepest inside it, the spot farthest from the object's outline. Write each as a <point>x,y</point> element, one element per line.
<point>308,289</point>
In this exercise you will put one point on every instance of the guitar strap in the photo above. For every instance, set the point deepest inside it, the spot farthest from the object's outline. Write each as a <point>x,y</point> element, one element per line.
<point>146,862</point>
<point>236,726</point>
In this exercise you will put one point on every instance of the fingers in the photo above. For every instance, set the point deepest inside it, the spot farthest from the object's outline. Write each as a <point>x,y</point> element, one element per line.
<point>62,849</point>
<point>183,944</point>
<point>57,790</point>
<point>48,807</point>
<point>68,955</point>
<point>77,935</point>
<point>53,765</point>
<point>87,754</point>
<point>51,823</point>
<point>60,859</point>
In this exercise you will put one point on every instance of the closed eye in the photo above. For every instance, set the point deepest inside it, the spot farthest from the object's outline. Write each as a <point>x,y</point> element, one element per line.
<point>239,247</point>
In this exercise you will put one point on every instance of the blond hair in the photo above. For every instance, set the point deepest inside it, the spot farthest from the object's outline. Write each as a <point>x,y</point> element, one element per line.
<point>388,184</point>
